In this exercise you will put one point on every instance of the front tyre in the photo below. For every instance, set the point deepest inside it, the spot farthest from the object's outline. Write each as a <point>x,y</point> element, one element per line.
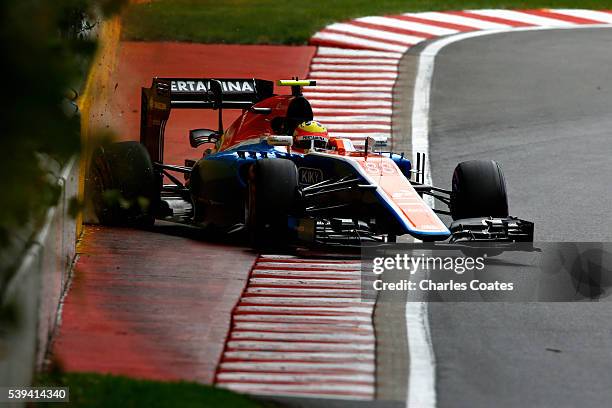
<point>123,185</point>
<point>478,190</point>
<point>271,196</point>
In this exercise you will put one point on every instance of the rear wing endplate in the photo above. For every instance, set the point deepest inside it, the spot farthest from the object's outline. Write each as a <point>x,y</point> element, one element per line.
<point>166,94</point>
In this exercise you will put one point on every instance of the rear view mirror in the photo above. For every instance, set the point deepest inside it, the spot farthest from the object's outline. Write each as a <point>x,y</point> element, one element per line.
<point>374,143</point>
<point>198,137</point>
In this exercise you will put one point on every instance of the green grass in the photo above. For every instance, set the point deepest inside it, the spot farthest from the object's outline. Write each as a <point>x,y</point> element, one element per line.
<point>284,22</point>
<point>97,390</point>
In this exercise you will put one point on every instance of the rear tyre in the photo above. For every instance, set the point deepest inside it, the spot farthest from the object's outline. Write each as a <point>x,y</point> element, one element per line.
<point>123,186</point>
<point>479,190</point>
<point>271,197</point>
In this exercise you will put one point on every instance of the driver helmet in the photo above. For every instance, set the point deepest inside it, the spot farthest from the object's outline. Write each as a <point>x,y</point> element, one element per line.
<point>306,132</point>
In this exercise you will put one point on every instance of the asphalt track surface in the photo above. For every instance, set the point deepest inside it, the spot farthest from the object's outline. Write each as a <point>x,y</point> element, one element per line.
<point>540,103</point>
<point>532,102</point>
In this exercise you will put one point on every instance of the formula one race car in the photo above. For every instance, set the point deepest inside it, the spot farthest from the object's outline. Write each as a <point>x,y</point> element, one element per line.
<point>253,177</point>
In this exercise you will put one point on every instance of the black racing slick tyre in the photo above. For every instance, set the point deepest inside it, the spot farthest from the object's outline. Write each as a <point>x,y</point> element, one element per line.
<point>123,185</point>
<point>478,190</point>
<point>271,195</point>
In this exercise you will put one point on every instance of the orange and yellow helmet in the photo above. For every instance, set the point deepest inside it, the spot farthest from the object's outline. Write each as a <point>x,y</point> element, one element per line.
<point>310,131</point>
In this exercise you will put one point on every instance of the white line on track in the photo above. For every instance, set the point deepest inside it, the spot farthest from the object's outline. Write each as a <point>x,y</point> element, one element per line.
<point>348,52</point>
<point>476,23</point>
<point>378,34</point>
<point>256,377</point>
<point>348,103</point>
<point>353,67</point>
<point>304,281</point>
<point>357,126</point>
<point>350,88</point>
<point>304,327</point>
<point>310,266</point>
<point>353,75</point>
<point>589,14</point>
<point>523,17</point>
<point>301,318</point>
<point>407,25</point>
<point>294,389</point>
<point>326,274</point>
<point>302,292</point>
<point>295,259</point>
<point>421,378</point>
<point>300,279</point>
<point>304,356</point>
<point>297,346</point>
<point>302,367</point>
<point>371,111</point>
<point>359,133</point>
<point>359,136</point>
<point>354,61</point>
<point>351,41</point>
<point>363,84</point>
<point>293,301</point>
<point>304,310</point>
<point>341,338</point>
<point>348,95</point>
<point>357,119</point>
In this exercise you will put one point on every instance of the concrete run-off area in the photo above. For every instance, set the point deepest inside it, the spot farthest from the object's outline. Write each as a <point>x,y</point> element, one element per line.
<point>150,304</point>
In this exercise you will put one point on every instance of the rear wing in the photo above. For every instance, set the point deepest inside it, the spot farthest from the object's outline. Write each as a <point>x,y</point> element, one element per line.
<point>166,94</point>
<point>208,93</point>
